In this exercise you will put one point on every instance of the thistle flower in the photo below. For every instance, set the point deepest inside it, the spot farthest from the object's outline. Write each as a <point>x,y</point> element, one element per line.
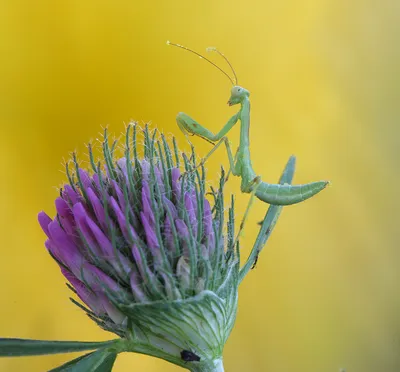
<point>148,255</point>
<point>143,249</point>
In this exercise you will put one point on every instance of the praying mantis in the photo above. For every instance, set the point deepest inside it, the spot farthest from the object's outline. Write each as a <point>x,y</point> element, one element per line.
<point>240,164</point>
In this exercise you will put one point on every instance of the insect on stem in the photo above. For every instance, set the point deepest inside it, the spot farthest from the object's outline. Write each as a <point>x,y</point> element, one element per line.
<point>240,165</point>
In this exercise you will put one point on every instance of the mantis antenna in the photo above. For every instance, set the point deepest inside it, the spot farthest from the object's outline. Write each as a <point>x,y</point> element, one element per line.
<point>202,57</point>
<point>213,49</point>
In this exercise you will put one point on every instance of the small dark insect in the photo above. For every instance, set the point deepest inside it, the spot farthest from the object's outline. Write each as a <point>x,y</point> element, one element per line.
<point>189,356</point>
<point>255,262</point>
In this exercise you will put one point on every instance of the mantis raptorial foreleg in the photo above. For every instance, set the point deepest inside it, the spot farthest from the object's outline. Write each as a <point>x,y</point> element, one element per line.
<point>190,126</point>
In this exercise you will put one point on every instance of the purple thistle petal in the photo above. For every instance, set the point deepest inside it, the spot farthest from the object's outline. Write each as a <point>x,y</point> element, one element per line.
<point>65,215</point>
<point>88,297</point>
<point>182,229</point>
<point>97,280</point>
<point>176,184</point>
<point>173,213</point>
<point>171,207</point>
<point>52,249</point>
<point>85,179</point>
<point>122,202</point>
<point>146,204</point>
<point>138,260</point>
<point>98,208</point>
<point>145,170</point>
<point>121,164</point>
<point>80,215</point>
<point>168,235</point>
<point>183,233</point>
<point>44,221</point>
<point>128,231</point>
<point>120,194</point>
<point>72,196</point>
<point>108,251</point>
<point>151,239</point>
<point>191,213</point>
<point>65,249</point>
<point>96,181</point>
<point>193,197</point>
<point>160,179</point>
<point>102,241</point>
<point>208,227</point>
<point>136,283</point>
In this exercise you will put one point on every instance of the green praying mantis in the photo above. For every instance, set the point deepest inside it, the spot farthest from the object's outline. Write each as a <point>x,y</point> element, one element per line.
<point>240,164</point>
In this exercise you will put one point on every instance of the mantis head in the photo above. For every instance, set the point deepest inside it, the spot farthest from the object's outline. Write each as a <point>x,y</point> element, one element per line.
<point>238,95</point>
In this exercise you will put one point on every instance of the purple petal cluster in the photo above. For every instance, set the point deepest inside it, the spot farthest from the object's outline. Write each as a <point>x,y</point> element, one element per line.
<point>135,231</point>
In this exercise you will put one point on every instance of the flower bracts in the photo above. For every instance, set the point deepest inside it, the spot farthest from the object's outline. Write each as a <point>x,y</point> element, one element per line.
<point>138,241</point>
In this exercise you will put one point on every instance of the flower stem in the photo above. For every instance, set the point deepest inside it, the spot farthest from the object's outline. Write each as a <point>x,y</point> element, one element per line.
<point>214,366</point>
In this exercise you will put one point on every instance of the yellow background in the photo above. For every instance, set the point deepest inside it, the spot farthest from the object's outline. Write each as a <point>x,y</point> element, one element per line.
<point>325,86</point>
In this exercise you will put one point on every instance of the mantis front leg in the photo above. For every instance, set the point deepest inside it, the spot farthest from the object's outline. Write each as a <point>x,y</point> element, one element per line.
<point>189,126</point>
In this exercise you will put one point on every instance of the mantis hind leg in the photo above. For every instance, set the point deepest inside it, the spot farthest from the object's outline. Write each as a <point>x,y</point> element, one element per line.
<point>254,184</point>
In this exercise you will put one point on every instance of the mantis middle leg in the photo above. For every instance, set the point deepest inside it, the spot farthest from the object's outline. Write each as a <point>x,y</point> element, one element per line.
<point>230,168</point>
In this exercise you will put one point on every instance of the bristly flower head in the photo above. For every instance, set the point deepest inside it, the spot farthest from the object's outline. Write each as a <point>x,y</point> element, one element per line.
<point>147,254</point>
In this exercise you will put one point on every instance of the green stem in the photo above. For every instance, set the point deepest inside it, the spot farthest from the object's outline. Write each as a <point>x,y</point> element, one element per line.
<point>213,366</point>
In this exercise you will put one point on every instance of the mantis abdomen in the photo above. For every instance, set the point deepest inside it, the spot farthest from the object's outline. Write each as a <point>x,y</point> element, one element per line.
<point>288,194</point>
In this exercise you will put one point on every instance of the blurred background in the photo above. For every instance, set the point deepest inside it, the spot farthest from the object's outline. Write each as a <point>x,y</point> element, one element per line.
<point>324,80</point>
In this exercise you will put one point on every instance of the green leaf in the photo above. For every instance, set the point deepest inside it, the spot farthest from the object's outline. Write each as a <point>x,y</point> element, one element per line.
<point>20,347</point>
<point>288,172</point>
<point>69,364</point>
<point>108,363</point>
<point>98,361</point>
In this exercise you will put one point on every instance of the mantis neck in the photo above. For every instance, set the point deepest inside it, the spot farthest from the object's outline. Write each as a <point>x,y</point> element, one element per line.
<point>245,167</point>
<point>245,125</point>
